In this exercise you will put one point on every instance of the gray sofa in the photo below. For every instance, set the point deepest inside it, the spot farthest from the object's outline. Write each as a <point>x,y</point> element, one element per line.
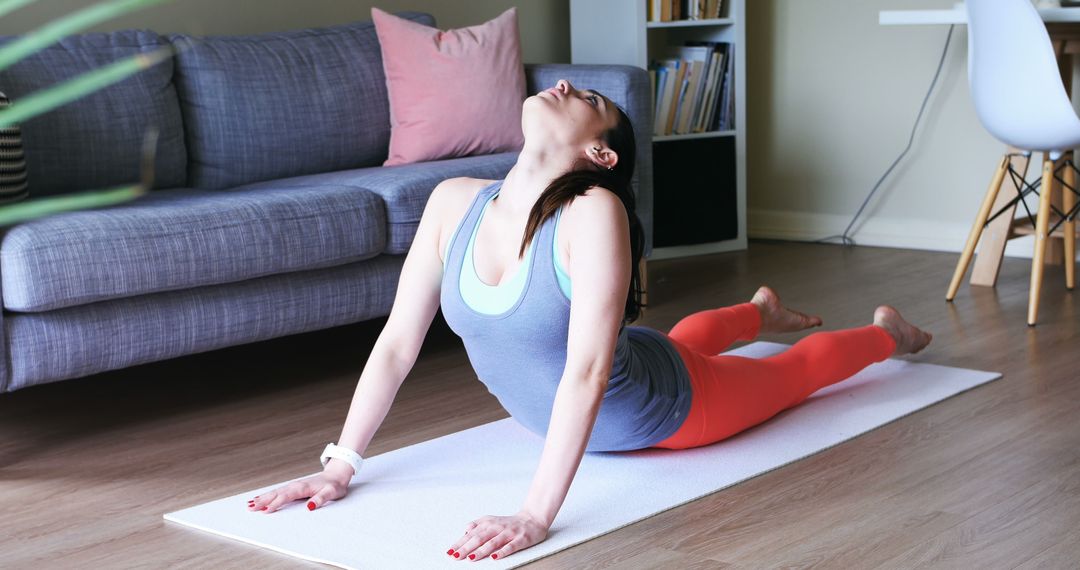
<point>271,213</point>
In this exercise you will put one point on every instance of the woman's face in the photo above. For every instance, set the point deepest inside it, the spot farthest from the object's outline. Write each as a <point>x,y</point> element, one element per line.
<point>568,116</point>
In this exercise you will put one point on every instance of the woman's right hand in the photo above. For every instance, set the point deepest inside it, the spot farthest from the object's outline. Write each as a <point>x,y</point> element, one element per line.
<point>330,485</point>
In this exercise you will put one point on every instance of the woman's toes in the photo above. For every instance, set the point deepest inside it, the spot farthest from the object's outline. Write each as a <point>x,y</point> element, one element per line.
<point>778,318</point>
<point>924,340</point>
<point>805,321</point>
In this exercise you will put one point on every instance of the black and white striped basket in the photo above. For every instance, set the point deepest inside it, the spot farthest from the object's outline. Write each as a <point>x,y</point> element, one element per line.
<point>13,185</point>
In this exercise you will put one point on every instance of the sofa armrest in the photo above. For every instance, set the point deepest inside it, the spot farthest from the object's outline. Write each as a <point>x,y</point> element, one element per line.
<point>630,88</point>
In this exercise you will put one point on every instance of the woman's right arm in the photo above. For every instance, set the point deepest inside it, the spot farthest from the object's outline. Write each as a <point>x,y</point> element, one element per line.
<point>395,351</point>
<point>392,357</point>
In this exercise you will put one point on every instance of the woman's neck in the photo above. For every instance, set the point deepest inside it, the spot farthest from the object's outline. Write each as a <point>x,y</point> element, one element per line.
<point>535,168</point>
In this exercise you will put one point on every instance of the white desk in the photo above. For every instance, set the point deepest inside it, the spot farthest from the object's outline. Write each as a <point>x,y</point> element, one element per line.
<point>958,15</point>
<point>1063,26</point>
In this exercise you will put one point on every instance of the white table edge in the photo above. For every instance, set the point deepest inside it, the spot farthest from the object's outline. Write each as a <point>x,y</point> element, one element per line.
<point>958,15</point>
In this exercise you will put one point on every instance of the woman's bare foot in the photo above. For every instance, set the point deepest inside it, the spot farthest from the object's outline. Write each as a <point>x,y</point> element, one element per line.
<point>778,318</point>
<point>909,338</point>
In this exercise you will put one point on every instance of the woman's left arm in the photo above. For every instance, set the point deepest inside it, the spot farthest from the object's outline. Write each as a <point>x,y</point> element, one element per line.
<point>600,265</point>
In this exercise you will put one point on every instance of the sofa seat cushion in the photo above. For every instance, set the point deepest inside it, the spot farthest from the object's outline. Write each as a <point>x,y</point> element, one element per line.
<point>405,189</point>
<point>265,106</point>
<point>181,238</point>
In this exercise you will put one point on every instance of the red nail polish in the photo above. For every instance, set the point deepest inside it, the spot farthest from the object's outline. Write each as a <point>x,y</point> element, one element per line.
<point>457,555</point>
<point>494,556</point>
<point>263,509</point>
<point>311,505</point>
<point>450,552</point>
<point>472,556</point>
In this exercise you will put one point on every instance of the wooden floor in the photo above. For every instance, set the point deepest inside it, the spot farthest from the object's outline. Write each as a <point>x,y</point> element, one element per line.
<point>987,479</point>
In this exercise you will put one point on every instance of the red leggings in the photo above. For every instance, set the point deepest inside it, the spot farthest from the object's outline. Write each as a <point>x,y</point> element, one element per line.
<point>731,393</point>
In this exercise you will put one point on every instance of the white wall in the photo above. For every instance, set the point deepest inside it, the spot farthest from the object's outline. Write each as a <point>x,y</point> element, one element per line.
<point>833,97</point>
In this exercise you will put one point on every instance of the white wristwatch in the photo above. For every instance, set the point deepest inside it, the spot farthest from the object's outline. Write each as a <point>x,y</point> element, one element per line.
<point>334,451</point>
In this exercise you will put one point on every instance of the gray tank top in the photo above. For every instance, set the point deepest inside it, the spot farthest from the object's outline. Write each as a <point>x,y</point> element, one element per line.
<point>520,354</point>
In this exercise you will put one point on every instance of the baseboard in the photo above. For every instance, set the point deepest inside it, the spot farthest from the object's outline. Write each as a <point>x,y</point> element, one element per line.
<point>876,231</point>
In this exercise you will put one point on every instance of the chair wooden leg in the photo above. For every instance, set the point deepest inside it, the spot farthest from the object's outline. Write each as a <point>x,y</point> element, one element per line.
<point>987,264</point>
<point>1042,222</point>
<point>1055,248</point>
<point>1068,199</point>
<point>977,227</point>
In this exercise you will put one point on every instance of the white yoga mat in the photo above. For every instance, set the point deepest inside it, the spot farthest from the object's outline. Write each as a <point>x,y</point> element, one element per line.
<point>416,501</point>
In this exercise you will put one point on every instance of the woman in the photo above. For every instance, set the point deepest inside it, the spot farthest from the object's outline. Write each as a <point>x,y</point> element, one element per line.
<point>552,363</point>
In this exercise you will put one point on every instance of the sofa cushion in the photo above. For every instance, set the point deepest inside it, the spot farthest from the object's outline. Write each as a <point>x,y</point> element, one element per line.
<point>96,141</point>
<point>181,238</point>
<point>405,189</point>
<point>452,93</point>
<point>273,105</point>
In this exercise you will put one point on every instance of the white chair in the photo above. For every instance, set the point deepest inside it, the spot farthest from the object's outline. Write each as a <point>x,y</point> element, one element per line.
<point>1020,99</point>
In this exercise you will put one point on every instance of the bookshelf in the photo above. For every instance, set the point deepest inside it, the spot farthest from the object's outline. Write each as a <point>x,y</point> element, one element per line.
<point>699,178</point>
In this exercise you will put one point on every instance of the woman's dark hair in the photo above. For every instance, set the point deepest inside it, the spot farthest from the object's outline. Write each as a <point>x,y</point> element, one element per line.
<point>569,185</point>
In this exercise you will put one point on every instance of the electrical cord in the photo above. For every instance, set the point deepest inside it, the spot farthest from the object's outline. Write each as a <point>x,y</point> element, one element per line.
<point>844,239</point>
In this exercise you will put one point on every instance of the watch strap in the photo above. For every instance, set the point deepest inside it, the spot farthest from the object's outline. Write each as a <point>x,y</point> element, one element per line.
<point>334,451</point>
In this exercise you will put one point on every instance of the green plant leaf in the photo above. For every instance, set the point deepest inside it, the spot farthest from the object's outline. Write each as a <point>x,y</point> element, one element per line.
<point>7,6</point>
<point>55,30</point>
<point>40,207</point>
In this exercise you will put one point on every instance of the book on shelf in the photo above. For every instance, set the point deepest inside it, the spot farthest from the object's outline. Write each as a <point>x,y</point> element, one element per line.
<point>724,104</point>
<point>665,74</point>
<point>673,10</point>
<point>696,58</point>
<point>727,120</point>
<point>715,65</point>
<point>692,88</point>
<point>674,89</point>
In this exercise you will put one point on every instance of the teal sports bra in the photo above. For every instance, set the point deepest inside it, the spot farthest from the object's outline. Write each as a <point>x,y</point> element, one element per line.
<point>496,299</point>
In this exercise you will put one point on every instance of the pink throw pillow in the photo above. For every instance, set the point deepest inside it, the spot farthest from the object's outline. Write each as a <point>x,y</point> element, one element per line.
<point>452,93</point>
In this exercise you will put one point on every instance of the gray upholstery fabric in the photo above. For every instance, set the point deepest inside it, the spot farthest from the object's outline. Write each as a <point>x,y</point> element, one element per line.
<point>282,104</point>
<point>180,238</point>
<point>96,141</point>
<point>630,88</point>
<point>77,341</point>
<point>405,188</point>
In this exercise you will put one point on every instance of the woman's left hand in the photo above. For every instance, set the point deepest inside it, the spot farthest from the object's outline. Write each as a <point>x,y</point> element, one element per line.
<point>499,536</point>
